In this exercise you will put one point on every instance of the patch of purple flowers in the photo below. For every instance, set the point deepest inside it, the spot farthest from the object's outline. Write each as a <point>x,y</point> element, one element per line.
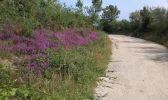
<point>41,40</point>
<point>38,63</point>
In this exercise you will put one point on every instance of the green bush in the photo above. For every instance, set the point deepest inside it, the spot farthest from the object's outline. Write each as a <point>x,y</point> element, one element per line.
<point>35,14</point>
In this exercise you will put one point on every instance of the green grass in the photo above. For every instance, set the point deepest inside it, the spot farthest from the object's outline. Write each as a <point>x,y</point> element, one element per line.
<point>74,80</point>
<point>161,39</point>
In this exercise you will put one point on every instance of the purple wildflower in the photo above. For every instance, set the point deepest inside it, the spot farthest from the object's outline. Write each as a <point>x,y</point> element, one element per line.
<point>36,46</point>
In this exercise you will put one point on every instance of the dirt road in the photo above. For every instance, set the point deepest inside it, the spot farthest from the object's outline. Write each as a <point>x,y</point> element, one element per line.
<point>138,71</point>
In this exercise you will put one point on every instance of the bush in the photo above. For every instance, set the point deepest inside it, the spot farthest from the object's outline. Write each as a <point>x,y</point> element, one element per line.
<point>40,14</point>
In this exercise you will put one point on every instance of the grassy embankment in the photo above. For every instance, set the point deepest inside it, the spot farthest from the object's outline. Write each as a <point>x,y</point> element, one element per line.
<point>49,51</point>
<point>85,65</point>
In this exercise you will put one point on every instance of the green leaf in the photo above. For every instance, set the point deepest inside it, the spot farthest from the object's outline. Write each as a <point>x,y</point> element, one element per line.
<point>12,93</point>
<point>1,97</point>
<point>14,89</point>
<point>6,98</point>
<point>26,94</point>
<point>4,93</point>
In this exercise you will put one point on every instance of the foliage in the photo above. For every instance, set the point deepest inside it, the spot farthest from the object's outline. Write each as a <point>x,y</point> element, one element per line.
<point>8,85</point>
<point>110,13</point>
<point>53,50</point>
<point>146,17</point>
<point>79,4</point>
<point>94,16</point>
<point>94,10</point>
<point>36,46</point>
<point>149,23</point>
<point>40,14</point>
<point>135,19</point>
<point>97,5</point>
<point>72,73</point>
<point>109,16</point>
<point>124,26</point>
<point>159,20</point>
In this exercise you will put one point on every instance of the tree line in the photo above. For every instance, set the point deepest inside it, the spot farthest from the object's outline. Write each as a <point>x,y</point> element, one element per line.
<point>150,23</point>
<point>51,14</point>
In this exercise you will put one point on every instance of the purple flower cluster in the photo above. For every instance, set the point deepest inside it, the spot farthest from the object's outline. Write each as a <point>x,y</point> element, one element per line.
<point>38,63</point>
<point>9,30</point>
<point>41,40</point>
<point>73,38</point>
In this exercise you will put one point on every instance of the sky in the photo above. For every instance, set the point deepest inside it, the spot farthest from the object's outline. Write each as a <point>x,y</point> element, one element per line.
<point>125,6</point>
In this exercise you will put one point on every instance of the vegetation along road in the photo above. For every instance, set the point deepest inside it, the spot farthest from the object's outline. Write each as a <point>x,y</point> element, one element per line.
<point>138,71</point>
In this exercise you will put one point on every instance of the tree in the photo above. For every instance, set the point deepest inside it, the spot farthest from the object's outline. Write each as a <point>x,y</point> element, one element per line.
<point>109,16</point>
<point>93,11</point>
<point>159,19</point>
<point>110,13</point>
<point>140,20</point>
<point>123,26</point>
<point>145,15</point>
<point>79,4</point>
<point>135,19</point>
<point>97,5</point>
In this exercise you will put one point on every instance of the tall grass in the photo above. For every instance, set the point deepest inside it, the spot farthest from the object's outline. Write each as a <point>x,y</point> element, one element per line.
<point>87,64</point>
<point>84,65</point>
